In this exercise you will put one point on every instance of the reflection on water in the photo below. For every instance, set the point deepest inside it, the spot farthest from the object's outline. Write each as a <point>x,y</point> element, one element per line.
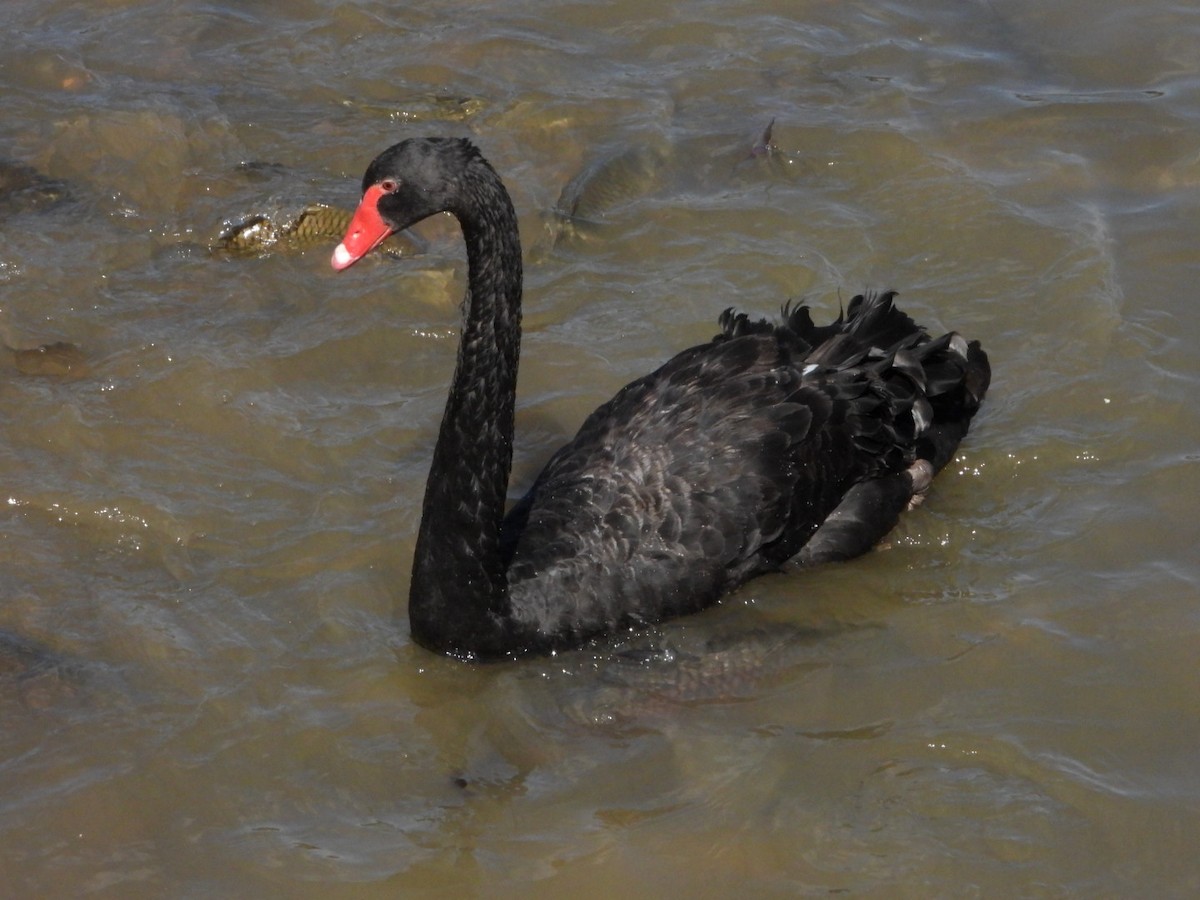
<point>212,464</point>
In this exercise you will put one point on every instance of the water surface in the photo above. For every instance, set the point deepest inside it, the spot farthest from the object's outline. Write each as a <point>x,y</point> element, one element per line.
<point>209,527</point>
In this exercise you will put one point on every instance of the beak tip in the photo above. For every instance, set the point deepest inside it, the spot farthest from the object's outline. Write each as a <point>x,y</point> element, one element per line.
<point>342,258</point>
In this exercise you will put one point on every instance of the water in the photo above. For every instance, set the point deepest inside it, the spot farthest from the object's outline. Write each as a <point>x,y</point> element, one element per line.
<point>211,529</point>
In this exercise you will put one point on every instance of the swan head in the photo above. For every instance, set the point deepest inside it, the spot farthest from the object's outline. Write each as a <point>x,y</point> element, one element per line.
<point>406,183</point>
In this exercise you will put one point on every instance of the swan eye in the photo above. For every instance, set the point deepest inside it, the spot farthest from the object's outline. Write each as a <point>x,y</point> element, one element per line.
<point>389,185</point>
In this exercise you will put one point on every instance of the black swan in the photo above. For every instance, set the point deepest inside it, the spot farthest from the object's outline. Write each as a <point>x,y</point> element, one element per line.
<point>771,443</point>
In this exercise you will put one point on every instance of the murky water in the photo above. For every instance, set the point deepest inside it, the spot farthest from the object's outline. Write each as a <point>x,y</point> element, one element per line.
<point>209,517</point>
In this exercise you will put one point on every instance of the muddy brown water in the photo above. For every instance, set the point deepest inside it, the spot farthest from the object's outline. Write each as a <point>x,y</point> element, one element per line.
<point>214,523</point>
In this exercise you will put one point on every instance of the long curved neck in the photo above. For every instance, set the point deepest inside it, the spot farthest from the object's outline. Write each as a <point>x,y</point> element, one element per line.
<point>458,601</point>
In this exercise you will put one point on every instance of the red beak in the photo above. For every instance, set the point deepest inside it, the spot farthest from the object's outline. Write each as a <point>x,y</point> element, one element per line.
<point>366,232</point>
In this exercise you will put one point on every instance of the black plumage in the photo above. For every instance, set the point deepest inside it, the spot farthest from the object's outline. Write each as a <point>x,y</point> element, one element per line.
<point>774,442</point>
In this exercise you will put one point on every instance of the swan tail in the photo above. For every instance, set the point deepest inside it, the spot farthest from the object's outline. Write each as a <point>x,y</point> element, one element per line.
<point>869,321</point>
<point>957,379</point>
<point>908,414</point>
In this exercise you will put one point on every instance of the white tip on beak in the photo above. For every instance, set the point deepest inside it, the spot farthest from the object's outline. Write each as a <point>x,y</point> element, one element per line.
<point>342,257</point>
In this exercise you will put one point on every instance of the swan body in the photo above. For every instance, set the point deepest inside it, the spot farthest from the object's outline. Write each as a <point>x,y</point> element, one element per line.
<point>771,443</point>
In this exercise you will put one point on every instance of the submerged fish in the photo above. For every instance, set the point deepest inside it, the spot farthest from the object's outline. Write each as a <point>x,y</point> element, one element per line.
<point>60,359</point>
<point>763,146</point>
<point>314,224</point>
<point>257,232</point>
<point>629,174</point>
<point>39,677</point>
<point>650,678</point>
<point>607,184</point>
<point>24,188</point>
<point>612,181</point>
